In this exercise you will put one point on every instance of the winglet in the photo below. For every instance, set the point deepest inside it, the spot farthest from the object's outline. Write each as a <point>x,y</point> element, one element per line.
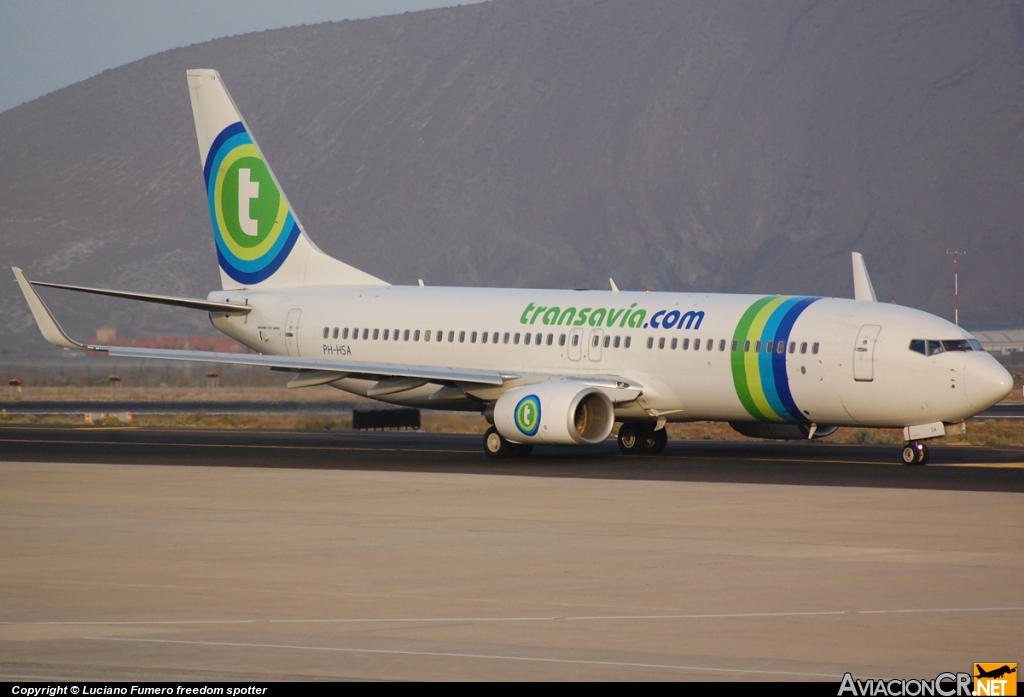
<point>862,289</point>
<point>47,324</point>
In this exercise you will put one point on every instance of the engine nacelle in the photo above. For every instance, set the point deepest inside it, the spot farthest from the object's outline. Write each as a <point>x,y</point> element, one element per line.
<point>780,431</point>
<point>554,413</point>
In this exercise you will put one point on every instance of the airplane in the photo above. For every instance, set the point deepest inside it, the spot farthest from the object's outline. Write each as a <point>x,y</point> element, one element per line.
<point>995,673</point>
<point>554,367</point>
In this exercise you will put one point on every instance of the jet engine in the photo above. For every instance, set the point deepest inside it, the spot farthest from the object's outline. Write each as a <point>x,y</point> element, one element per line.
<point>554,413</point>
<point>780,431</point>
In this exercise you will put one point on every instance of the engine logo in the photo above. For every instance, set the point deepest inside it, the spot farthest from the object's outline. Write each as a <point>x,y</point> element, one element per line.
<point>528,415</point>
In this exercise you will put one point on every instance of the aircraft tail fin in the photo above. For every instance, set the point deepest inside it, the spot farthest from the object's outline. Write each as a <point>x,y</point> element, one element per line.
<point>260,242</point>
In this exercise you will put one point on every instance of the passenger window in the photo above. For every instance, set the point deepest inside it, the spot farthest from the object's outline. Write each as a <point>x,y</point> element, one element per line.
<point>416,335</point>
<point>650,342</point>
<point>462,337</point>
<point>618,341</point>
<point>344,333</point>
<point>366,333</point>
<point>696,344</point>
<point>918,345</point>
<point>537,338</point>
<point>780,347</point>
<point>735,345</point>
<point>607,341</point>
<point>629,340</point>
<point>405,335</point>
<point>675,342</point>
<point>561,340</point>
<point>575,339</point>
<point>814,348</point>
<point>596,341</point>
<point>387,334</point>
<point>746,347</point>
<point>451,337</point>
<point>551,338</point>
<point>335,332</point>
<point>494,339</point>
<point>376,334</point>
<point>515,339</point>
<point>757,346</point>
<point>803,347</point>
<point>711,344</point>
<point>355,333</point>
<point>327,330</point>
<point>721,345</point>
<point>661,343</point>
<point>483,338</point>
<point>395,334</point>
<point>426,335</point>
<point>526,339</point>
<point>686,344</point>
<point>472,338</point>
<point>792,347</point>
<point>504,339</point>
<point>768,347</point>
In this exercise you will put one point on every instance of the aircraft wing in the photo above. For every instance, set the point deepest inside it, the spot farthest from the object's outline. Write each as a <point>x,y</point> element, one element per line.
<point>53,333</point>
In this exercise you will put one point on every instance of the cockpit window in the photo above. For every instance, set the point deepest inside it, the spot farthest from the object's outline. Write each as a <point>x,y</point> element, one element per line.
<point>957,345</point>
<point>930,347</point>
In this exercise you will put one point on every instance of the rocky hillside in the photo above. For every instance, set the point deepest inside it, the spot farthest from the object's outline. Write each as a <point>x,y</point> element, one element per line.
<point>726,146</point>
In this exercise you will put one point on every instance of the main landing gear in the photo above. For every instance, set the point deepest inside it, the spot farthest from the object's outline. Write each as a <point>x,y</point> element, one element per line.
<point>915,453</point>
<point>640,438</point>
<point>497,447</point>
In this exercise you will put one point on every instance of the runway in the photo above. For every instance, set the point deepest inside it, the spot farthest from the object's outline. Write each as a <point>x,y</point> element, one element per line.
<point>751,462</point>
<point>205,555</point>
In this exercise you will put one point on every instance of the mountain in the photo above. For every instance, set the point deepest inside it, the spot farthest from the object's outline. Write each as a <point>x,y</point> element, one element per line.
<point>725,146</point>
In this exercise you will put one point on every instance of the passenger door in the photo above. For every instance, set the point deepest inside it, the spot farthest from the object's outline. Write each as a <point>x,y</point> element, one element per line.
<point>864,353</point>
<point>291,332</point>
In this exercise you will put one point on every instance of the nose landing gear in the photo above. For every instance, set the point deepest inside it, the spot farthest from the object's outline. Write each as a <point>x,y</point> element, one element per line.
<point>915,453</point>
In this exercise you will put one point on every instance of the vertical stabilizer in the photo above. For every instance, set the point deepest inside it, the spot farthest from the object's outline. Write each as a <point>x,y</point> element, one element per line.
<point>862,289</point>
<point>260,242</point>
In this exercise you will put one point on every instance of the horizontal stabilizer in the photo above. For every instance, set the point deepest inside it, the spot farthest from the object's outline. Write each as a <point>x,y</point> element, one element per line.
<point>191,303</point>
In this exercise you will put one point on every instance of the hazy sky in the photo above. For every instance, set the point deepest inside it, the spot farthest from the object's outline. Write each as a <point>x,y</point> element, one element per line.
<point>49,44</point>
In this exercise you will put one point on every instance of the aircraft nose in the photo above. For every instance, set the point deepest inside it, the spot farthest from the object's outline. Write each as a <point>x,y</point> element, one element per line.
<point>985,381</point>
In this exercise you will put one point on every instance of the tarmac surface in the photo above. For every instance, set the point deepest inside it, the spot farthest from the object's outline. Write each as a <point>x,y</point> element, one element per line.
<point>204,555</point>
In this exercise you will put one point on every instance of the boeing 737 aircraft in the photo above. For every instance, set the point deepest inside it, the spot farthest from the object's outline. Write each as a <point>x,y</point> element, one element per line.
<point>555,366</point>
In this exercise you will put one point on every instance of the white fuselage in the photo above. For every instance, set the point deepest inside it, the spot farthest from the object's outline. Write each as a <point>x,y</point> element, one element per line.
<point>819,375</point>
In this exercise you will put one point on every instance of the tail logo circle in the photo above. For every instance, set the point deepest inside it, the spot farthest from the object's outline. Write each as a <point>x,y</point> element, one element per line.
<point>528,415</point>
<point>252,226</point>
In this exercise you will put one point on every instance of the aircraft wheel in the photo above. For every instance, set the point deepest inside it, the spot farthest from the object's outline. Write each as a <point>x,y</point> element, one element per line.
<point>909,455</point>
<point>495,445</point>
<point>915,454</point>
<point>922,454</point>
<point>656,441</point>
<point>631,440</point>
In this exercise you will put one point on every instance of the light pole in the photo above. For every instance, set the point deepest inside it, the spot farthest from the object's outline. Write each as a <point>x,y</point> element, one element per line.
<point>956,254</point>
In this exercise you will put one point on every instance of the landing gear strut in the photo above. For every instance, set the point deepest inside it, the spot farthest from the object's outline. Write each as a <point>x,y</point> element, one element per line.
<point>915,453</point>
<point>641,439</point>
<point>495,446</point>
